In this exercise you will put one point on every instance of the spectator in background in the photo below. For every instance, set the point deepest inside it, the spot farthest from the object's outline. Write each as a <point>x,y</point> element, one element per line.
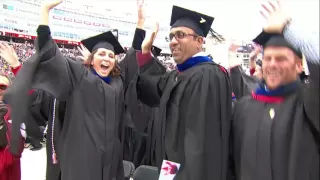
<point>9,164</point>
<point>255,67</point>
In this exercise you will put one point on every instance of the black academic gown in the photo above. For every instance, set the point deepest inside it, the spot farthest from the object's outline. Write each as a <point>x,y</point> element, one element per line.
<point>193,122</point>
<point>43,108</point>
<point>90,145</point>
<point>138,116</point>
<point>54,170</point>
<point>278,141</point>
<point>242,84</point>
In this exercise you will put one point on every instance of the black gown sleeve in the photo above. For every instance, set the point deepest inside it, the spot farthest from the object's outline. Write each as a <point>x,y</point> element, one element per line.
<point>311,96</point>
<point>55,74</point>
<point>242,84</point>
<point>208,121</point>
<point>41,105</point>
<point>152,80</point>
<point>129,65</point>
<point>138,38</point>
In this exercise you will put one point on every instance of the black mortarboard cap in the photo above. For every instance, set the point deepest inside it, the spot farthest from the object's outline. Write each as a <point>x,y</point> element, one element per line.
<point>268,39</point>
<point>200,23</point>
<point>156,51</point>
<point>105,40</point>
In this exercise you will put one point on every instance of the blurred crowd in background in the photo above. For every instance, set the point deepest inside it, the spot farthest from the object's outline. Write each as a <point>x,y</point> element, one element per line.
<point>25,49</point>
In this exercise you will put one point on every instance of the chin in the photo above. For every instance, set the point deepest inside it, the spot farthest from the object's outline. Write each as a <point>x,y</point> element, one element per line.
<point>104,74</point>
<point>178,60</point>
<point>273,85</point>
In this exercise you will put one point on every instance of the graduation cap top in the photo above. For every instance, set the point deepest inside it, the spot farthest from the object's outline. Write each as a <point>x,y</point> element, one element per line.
<point>156,51</point>
<point>268,39</point>
<point>200,23</point>
<point>105,40</point>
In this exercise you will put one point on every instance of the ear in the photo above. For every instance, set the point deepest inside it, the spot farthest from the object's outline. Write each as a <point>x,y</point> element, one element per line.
<point>92,61</point>
<point>299,67</point>
<point>200,41</point>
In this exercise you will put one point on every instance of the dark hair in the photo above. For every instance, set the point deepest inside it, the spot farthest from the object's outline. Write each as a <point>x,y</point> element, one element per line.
<point>114,72</point>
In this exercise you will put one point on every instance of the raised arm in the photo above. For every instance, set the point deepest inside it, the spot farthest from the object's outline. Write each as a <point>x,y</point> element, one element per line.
<point>128,65</point>
<point>307,42</point>
<point>55,74</point>
<point>242,84</point>
<point>152,74</point>
<point>47,70</point>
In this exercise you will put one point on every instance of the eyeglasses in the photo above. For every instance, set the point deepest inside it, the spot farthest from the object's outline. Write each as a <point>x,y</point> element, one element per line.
<point>3,87</point>
<point>180,35</point>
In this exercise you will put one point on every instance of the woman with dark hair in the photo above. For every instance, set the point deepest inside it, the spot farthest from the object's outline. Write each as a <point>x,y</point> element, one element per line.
<point>90,145</point>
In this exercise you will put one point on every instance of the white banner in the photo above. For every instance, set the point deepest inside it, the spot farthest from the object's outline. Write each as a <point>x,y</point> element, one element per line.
<point>71,22</point>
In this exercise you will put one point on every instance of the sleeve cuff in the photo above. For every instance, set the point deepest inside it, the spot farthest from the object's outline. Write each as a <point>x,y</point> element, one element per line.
<point>143,59</point>
<point>252,71</point>
<point>31,92</point>
<point>16,70</point>
<point>138,38</point>
<point>43,29</point>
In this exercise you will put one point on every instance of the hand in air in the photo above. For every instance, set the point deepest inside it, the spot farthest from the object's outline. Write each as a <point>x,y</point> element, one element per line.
<point>254,54</point>
<point>9,54</point>
<point>276,18</point>
<point>141,11</point>
<point>85,53</point>
<point>233,47</point>
<point>50,4</point>
<point>148,41</point>
<point>232,54</point>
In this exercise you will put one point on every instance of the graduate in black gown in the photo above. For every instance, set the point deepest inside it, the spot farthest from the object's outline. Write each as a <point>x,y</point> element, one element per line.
<point>90,138</point>
<point>193,122</point>
<point>276,129</point>
<point>139,117</point>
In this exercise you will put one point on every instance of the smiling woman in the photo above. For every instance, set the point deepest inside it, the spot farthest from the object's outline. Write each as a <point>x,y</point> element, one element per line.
<point>106,66</point>
<point>103,48</point>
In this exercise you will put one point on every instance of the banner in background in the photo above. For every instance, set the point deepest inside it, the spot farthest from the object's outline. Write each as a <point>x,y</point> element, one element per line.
<point>70,23</point>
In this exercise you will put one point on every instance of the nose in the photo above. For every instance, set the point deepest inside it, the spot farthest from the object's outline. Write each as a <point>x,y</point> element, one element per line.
<point>173,42</point>
<point>106,58</point>
<point>273,62</point>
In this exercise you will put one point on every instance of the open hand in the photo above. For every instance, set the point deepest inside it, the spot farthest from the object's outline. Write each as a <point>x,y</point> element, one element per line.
<point>254,54</point>
<point>50,4</point>
<point>276,18</point>
<point>9,54</point>
<point>233,47</point>
<point>148,41</point>
<point>85,53</point>
<point>141,11</point>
